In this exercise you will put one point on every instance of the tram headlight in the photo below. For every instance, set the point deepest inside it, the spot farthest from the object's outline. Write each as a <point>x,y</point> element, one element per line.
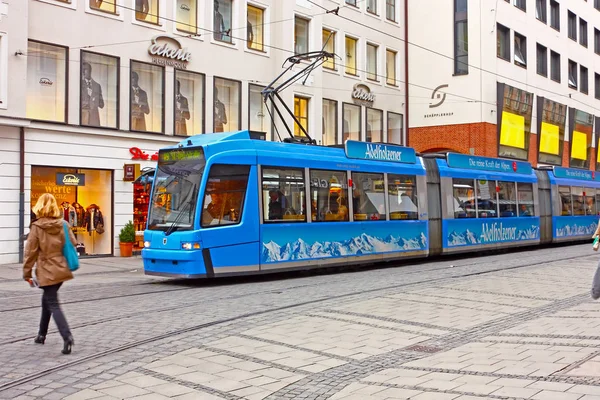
<point>146,244</point>
<point>190,246</point>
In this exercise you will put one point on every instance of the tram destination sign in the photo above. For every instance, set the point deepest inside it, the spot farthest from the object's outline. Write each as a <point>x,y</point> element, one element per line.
<point>167,156</point>
<point>488,164</point>
<point>380,152</point>
<point>580,174</point>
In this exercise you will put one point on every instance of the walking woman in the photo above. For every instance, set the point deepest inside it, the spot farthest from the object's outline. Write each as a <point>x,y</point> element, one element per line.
<point>44,246</point>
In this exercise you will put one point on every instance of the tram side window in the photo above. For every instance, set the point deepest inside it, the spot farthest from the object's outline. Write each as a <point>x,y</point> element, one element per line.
<point>329,196</point>
<point>525,196</point>
<point>402,194</point>
<point>565,200</point>
<point>578,201</point>
<point>224,195</point>
<point>507,199</point>
<point>486,199</point>
<point>368,196</point>
<point>590,201</point>
<point>464,198</point>
<point>283,195</point>
<point>598,202</point>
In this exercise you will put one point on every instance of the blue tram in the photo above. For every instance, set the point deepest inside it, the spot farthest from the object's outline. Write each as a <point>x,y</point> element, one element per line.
<point>229,204</point>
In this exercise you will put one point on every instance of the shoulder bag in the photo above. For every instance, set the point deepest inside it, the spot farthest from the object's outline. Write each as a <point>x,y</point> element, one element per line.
<point>69,251</point>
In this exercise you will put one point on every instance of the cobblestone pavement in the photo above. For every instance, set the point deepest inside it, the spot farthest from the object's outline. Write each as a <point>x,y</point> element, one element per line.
<point>518,325</point>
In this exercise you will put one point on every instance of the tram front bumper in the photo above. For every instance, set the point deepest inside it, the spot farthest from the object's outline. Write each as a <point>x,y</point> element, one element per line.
<point>174,263</point>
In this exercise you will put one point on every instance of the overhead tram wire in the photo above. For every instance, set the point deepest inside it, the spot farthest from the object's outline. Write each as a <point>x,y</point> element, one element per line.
<point>567,95</point>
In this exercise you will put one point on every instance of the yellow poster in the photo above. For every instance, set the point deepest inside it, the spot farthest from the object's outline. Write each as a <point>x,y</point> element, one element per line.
<point>512,131</point>
<point>579,146</point>
<point>549,139</point>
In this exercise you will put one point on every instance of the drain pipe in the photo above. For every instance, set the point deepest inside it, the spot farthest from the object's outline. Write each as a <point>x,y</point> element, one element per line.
<point>21,191</point>
<point>406,109</point>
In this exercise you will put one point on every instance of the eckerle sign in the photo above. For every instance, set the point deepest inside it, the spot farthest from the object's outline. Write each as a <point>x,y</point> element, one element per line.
<point>361,94</point>
<point>63,179</point>
<point>163,52</point>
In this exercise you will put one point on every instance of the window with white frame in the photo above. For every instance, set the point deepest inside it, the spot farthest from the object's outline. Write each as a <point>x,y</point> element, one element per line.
<point>187,16</point>
<point>372,53</point>
<point>147,11</point>
<point>390,67</point>
<point>520,50</point>
<point>222,20</point>
<point>329,46</point>
<point>255,35</point>
<point>572,74</point>
<point>372,6</point>
<point>390,10</point>
<point>351,62</point>
<point>301,35</point>
<point>107,6</point>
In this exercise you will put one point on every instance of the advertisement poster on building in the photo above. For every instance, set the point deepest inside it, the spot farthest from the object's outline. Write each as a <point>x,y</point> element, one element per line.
<point>99,90</point>
<point>189,103</point>
<point>146,97</point>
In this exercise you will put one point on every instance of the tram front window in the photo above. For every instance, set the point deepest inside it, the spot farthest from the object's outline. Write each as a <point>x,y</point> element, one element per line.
<point>175,192</point>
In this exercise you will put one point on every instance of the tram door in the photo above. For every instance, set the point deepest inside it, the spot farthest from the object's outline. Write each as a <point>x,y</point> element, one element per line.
<point>229,219</point>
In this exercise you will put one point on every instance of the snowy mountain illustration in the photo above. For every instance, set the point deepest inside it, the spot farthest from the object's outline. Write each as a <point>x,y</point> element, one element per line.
<point>576,230</point>
<point>363,244</point>
<point>468,237</point>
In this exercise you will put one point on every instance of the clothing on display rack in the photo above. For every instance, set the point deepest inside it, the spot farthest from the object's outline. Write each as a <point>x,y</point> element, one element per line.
<point>94,221</point>
<point>80,212</point>
<point>70,215</point>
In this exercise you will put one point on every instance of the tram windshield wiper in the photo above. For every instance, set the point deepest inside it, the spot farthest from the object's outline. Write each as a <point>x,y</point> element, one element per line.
<point>173,226</point>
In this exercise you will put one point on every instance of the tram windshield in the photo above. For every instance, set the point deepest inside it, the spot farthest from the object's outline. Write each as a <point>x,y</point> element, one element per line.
<point>175,192</point>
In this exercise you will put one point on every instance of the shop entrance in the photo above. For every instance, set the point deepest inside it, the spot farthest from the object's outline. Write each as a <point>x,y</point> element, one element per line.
<point>141,199</point>
<point>85,196</point>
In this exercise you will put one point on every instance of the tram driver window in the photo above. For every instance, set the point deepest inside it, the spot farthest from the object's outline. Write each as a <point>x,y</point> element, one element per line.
<point>565,200</point>
<point>329,196</point>
<point>486,199</point>
<point>224,195</point>
<point>507,199</point>
<point>464,198</point>
<point>402,194</point>
<point>578,201</point>
<point>283,195</point>
<point>590,201</point>
<point>368,197</point>
<point>525,197</point>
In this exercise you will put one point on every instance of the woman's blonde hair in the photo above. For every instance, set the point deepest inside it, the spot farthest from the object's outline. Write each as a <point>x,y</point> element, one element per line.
<point>46,207</point>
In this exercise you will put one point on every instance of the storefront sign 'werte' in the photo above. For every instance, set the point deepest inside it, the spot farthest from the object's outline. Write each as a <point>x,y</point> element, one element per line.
<point>166,50</point>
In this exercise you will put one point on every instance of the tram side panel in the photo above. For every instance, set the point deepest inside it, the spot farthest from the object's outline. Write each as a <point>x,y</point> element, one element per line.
<point>434,206</point>
<point>545,206</point>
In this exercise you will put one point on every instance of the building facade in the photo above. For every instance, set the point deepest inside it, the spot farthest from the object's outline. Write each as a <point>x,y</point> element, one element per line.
<point>513,78</point>
<point>90,90</point>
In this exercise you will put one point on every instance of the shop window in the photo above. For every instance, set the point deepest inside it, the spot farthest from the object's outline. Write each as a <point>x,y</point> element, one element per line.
<point>507,199</point>
<point>565,200</point>
<point>107,6</point>
<point>390,10</point>
<point>578,200</point>
<point>590,201</point>
<point>283,194</point>
<point>188,103</point>
<point>555,15</point>
<point>330,124</point>
<point>461,38</point>
<point>372,54</point>
<point>99,95</point>
<point>226,111</point>
<point>374,125</point>
<point>351,129</point>
<point>515,127</point>
<point>301,114</point>
<point>85,197</point>
<point>225,194</point>
<point>402,196</point>
<point>301,35</point>
<point>147,97</point>
<point>503,42</point>
<point>351,61</point>
<point>572,26</point>
<point>258,117</point>
<point>329,196</point>
<point>372,6</point>
<point>187,16</point>
<point>486,199</point>
<point>542,60</point>
<point>394,127</point>
<point>583,33</point>
<point>581,139</point>
<point>464,198</point>
<point>555,66</point>
<point>368,197</point>
<point>147,11</point>
<point>390,67</point>
<point>525,198</point>
<point>222,20</point>
<point>46,82</point>
<point>255,28</point>
<point>520,50</point>
<point>142,187</point>
<point>329,38</point>
<point>541,10</point>
<point>583,79</point>
<point>552,132</point>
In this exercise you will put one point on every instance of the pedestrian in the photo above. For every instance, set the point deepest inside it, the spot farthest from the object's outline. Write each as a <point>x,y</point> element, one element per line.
<point>44,246</point>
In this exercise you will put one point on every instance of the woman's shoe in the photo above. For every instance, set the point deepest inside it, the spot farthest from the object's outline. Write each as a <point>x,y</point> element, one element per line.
<point>40,339</point>
<point>68,345</point>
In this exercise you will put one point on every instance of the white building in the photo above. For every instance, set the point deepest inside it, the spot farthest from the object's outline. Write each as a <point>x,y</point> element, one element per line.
<point>515,78</point>
<point>85,85</point>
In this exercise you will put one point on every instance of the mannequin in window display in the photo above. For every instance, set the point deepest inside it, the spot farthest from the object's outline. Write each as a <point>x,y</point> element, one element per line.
<point>220,113</point>
<point>96,3</point>
<point>250,32</point>
<point>94,220</point>
<point>70,215</point>
<point>141,9</point>
<point>139,105</point>
<point>219,23</point>
<point>182,111</point>
<point>80,214</point>
<point>91,97</point>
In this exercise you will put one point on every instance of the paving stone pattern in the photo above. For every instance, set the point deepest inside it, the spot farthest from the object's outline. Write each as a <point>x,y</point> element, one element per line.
<point>512,326</point>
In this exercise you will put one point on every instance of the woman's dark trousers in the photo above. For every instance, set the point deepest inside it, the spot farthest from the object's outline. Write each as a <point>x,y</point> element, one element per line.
<point>51,308</point>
